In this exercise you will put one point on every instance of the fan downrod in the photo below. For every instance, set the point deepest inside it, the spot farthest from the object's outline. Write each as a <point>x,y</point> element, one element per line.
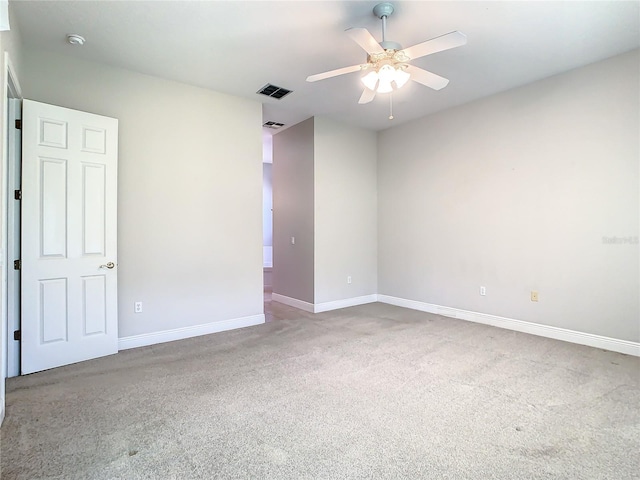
<point>382,11</point>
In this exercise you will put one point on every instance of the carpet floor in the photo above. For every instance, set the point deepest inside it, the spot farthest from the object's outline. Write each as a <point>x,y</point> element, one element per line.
<point>374,391</point>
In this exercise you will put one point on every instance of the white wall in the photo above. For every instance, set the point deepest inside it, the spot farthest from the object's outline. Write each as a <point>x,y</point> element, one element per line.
<point>190,183</point>
<point>345,211</point>
<point>293,212</point>
<point>516,192</point>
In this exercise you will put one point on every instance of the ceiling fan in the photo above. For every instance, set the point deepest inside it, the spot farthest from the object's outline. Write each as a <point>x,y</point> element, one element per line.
<point>388,63</point>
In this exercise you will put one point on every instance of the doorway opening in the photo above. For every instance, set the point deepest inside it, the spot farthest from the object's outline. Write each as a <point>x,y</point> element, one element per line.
<point>267,223</point>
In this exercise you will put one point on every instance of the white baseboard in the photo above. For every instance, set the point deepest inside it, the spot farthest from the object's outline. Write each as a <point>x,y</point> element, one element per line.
<point>572,336</point>
<point>292,302</point>
<point>325,306</point>
<point>146,339</point>
<point>347,302</point>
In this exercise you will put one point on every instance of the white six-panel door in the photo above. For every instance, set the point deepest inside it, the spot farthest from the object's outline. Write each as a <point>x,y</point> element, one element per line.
<point>69,214</point>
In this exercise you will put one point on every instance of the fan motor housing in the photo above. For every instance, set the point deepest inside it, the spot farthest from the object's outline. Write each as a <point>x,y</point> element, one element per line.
<point>387,45</point>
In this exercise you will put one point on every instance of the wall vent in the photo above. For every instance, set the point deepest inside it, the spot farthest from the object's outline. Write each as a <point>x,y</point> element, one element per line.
<point>274,91</point>
<point>273,125</point>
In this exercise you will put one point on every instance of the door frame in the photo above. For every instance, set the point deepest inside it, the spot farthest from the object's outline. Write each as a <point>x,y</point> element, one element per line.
<point>10,90</point>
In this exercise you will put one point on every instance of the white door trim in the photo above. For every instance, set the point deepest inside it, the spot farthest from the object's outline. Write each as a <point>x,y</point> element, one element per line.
<point>10,89</point>
<point>14,174</point>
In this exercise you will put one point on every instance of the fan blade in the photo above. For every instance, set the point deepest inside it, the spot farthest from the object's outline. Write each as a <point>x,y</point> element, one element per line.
<point>429,79</point>
<point>367,96</point>
<point>334,73</point>
<point>363,38</point>
<point>435,45</point>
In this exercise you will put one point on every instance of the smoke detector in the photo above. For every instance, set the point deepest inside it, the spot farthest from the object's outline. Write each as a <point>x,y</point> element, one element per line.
<point>75,39</point>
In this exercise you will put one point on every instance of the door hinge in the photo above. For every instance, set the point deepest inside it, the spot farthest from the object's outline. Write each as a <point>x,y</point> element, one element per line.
<point>16,335</point>
<point>17,264</point>
<point>18,124</point>
<point>17,194</point>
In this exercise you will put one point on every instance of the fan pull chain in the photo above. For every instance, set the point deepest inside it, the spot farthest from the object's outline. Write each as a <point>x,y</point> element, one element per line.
<point>390,107</point>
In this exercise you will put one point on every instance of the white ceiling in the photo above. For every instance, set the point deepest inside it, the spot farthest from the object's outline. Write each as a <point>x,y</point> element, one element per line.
<point>238,46</point>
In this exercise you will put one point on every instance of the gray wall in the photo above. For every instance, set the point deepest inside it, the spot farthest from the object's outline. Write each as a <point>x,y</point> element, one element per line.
<point>324,194</point>
<point>293,212</point>
<point>345,211</point>
<point>189,195</point>
<point>516,192</point>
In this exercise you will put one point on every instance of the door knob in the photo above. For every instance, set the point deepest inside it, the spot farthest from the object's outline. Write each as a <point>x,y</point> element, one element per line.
<point>109,265</point>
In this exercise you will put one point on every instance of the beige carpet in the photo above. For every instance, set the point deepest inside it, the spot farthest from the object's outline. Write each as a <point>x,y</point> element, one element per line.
<point>375,391</point>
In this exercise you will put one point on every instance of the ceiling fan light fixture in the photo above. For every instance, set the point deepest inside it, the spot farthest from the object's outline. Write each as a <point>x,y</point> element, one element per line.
<point>370,80</point>
<point>387,65</point>
<point>401,77</point>
<point>387,73</point>
<point>385,86</point>
<point>384,77</point>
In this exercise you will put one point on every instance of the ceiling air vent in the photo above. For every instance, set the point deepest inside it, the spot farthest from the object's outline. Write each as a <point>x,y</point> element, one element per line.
<point>274,125</point>
<point>274,91</point>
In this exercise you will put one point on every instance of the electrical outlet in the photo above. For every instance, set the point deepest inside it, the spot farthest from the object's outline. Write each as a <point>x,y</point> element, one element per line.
<point>349,279</point>
<point>534,296</point>
<point>293,240</point>
<point>483,291</point>
<point>137,307</point>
